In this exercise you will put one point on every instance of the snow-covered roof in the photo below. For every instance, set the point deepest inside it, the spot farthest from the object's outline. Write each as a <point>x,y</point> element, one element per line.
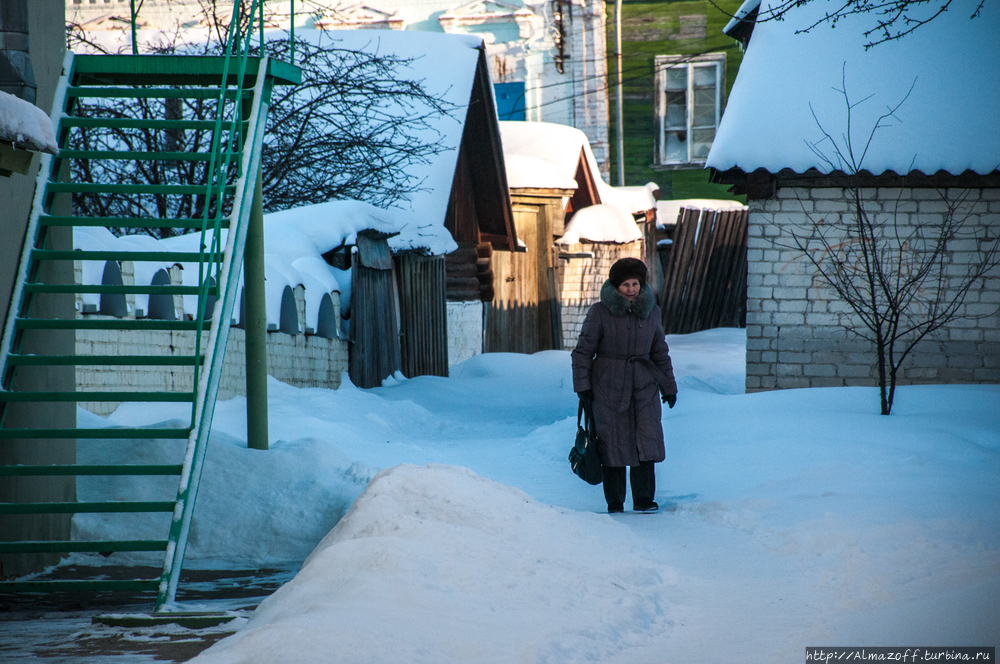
<point>26,125</point>
<point>788,85</point>
<point>444,64</point>
<point>601,223</point>
<point>545,154</point>
<point>741,13</point>
<point>667,211</point>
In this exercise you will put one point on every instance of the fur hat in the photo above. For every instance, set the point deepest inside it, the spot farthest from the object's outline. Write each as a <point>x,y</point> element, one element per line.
<point>627,268</point>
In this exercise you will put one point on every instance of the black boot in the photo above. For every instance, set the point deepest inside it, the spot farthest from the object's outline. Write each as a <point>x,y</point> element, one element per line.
<point>614,488</point>
<point>643,481</point>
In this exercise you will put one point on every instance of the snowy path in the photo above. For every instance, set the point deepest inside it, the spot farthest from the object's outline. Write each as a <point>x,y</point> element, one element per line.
<point>804,518</point>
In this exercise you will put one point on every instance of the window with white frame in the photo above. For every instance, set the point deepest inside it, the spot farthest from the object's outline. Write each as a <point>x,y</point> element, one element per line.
<point>690,94</point>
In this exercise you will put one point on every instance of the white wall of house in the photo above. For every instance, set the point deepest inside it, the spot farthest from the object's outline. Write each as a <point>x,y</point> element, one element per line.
<point>465,331</point>
<point>523,43</point>
<point>794,332</point>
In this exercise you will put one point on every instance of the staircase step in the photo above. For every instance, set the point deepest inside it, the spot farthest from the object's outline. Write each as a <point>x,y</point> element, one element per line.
<point>88,91</point>
<point>83,547</point>
<point>110,324</point>
<point>73,470</point>
<point>104,289</point>
<point>105,360</point>
<point>114,188</point>
<point>77,586</point>
<point>87,508</point>
<point>153,256</point>
<point>135,156</point>
<point>91,434</point>
<point>129,222</point>
<point>137,397</point>
<point>106,70</point>
<point>142,123</point>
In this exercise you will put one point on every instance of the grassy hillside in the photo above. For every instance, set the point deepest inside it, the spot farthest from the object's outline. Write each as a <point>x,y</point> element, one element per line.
<point>650,29</point>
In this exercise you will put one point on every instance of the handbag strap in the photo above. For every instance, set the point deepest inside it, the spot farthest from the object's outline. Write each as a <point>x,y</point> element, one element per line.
<point>589,425</point>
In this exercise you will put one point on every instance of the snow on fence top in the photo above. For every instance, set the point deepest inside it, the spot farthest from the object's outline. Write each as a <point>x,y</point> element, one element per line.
<point>26,125</point>
<point>948,122</point>
<point>667,211</point>
<point>294,243</point>
<point>544,154</point>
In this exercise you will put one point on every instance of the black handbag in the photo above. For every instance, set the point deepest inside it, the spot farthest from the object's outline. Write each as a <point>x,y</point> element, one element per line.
<point>583,457</point>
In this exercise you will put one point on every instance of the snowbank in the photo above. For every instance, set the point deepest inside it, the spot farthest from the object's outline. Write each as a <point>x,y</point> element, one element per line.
<point>948,121</point>
<point>25,124</point>
<point>802,517</point>
<point>500,576</point>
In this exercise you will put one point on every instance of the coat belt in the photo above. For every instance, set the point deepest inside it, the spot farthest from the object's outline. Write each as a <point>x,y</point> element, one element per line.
<point>628,382</point>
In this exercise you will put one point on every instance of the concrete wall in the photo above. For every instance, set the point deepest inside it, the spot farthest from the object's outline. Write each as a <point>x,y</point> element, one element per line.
<point>795,331</point>
<point>46,44</point>
<point>580,280</point>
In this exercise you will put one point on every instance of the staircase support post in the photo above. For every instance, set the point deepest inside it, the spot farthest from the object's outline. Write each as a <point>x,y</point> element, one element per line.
<point>255,324</point>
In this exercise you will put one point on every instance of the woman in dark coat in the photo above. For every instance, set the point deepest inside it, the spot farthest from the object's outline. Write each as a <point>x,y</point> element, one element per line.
<point>621,369</point>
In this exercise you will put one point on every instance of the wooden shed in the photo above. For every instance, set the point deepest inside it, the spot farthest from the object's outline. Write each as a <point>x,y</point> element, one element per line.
<point>553,177</point>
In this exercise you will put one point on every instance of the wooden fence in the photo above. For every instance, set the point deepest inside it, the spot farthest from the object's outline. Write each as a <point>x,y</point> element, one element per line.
<point>705,277</point>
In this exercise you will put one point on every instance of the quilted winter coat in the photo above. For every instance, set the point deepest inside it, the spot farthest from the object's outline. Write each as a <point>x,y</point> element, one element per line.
<point>623,358</point>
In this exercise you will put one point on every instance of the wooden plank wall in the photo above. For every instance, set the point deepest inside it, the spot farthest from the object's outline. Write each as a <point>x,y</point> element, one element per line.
<point>374,330</point>
<point>519,319</point>
<point>704,282</point>
<point>423,325</point>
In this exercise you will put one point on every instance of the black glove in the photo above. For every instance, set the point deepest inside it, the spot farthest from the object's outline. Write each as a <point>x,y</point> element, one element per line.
<point>669,399</point>
<point>586,398</point>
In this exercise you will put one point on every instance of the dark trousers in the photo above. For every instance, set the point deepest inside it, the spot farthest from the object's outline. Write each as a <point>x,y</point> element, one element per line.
<point>641,477</point>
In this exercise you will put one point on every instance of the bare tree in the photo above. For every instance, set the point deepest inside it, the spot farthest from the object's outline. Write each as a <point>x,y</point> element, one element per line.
<point>903,277</point>
<point>354,128</point>
<point>891,19</point>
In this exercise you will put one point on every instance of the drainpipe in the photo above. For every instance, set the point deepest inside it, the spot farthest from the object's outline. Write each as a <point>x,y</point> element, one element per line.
<point>16,76</point>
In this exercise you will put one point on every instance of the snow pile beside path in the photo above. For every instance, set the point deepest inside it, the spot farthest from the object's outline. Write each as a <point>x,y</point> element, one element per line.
<point>254,507</point>
<point>437,564</point>
<point>24,123</point>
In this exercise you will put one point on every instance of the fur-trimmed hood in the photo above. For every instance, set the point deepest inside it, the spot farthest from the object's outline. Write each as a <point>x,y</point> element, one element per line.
<point>619,306</point>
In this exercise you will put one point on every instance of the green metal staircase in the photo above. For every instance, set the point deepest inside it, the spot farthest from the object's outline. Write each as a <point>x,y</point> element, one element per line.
<point>239,88</point>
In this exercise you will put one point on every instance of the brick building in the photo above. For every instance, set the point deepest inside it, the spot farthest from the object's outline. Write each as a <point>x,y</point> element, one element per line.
<point>786,143</point>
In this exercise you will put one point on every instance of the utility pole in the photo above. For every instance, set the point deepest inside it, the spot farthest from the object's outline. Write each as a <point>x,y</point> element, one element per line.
<point>618,94</point>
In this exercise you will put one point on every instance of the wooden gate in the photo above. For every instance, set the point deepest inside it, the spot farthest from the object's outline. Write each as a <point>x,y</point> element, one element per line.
<point>423,315</point>
<point>374,327</point>
<point>519,319</point>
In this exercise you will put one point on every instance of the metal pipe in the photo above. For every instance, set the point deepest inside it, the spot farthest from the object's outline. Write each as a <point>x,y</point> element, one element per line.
<point>255,324</point>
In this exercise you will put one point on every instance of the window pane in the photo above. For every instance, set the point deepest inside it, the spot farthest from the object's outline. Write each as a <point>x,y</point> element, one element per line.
<point>677,78</point>
<point>676,142</point>
<point>676,110</point>
<point>705,75</point>
<point>701,142</point>
<point>704,108</point>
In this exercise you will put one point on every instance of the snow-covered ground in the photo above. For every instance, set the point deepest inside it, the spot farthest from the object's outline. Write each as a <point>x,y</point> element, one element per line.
<point>803,518</point>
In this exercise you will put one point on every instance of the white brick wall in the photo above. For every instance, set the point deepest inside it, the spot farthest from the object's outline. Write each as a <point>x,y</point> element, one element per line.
<point>794,336</point>
<point>580,279</point>
<point>300,360</point>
